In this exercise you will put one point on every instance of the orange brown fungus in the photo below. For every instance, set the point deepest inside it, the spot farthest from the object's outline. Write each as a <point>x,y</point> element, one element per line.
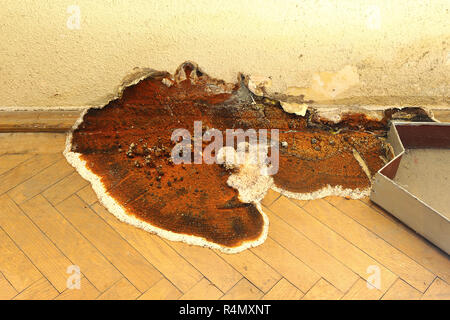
<point>127,144</point>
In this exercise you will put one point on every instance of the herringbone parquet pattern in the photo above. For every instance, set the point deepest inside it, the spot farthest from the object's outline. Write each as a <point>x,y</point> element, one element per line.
<point>50,219</point>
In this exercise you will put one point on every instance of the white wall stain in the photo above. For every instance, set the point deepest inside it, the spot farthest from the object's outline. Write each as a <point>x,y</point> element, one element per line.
<point>328,85</point>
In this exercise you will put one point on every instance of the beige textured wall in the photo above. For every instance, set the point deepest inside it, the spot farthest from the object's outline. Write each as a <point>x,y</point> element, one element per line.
<point>326,49</point>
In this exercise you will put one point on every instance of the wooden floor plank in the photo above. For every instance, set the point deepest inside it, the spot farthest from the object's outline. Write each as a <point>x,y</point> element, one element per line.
<point>253,268</point>
<point>41,251</point>
<point>49,120</point>
<point>119,252</point>
<point>64,188</point>
<point>163,290</point>
<point>10,161</point>
<point>400,290</point>
<point>398,235</point>
<point>439,290</point>
<point>86,292</point>
<point>299,203</point>
<point>361,290</point>
<point>270,198</point>
<point>213,267</point>
<point>26,170</point>
<point>203,290</point>
<point>393,259</point>
<point>330,241</point>
<point>40,290</point>
<point>80,251</point>
<point>323,290</point>
<point>88,195</point>
<point>41,181</point>
<point>289,266</point>
<point>243,290</point>
<point>39,142</point>
<point>283,290</point>
<point>121,290</point>
<point>373,205</point>
<point>310,253</point>
<point>15,266</point>
<point>6,289</point>
<point>160,254</point>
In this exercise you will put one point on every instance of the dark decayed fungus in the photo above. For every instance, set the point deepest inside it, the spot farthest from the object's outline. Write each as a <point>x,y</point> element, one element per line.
<point>124,149</point>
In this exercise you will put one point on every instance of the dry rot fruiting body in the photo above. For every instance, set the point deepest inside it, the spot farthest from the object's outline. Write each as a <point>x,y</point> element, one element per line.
<point>127,144</point>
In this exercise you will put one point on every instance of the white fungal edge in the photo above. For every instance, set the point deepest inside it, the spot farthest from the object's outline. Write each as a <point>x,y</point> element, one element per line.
<point>117,210</point>
<point>325,192</point>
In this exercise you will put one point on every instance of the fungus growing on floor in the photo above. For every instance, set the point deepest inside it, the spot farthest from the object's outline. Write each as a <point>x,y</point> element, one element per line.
<point>124,150</point>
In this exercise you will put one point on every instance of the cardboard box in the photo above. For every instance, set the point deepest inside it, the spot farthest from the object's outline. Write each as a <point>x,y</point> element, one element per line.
<point>415,185</point>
